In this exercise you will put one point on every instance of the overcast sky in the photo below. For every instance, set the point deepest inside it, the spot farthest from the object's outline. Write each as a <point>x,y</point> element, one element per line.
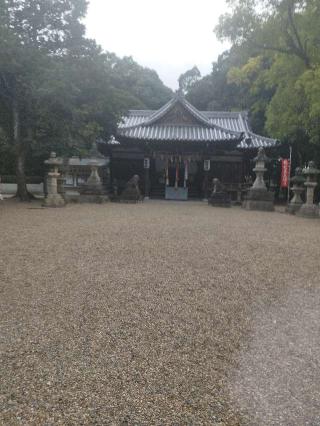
<point>170,36</point>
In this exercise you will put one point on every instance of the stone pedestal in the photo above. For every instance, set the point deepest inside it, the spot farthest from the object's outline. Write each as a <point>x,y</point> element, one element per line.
<point>92,191</point>
<point>61,189</point>
<point>53,198</point>
<point>1,197</point>
<point>297,189</point>
<point>258,197</point>
<point>219,197</point>
<point>309,209</point>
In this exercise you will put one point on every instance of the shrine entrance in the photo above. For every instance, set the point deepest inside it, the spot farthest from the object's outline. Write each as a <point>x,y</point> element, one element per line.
<point>175,177</point>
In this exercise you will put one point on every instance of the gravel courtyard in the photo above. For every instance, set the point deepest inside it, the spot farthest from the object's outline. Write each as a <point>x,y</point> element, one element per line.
<point>160,313</point>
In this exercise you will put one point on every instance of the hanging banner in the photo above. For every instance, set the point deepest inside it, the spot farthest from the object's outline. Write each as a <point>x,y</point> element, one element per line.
<point>285,172</point>
<point>167,173</point>
<point>186,173</point>
<point>177,176</point>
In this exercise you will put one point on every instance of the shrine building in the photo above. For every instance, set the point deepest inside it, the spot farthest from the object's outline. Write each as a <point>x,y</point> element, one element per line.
<point>178,150</point>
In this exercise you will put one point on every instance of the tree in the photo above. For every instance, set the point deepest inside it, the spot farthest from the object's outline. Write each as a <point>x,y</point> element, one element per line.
<point>141,84</point>
<point>272,25</point>
<point>33,33</point>
<point>188,79</point>
<point>58,90</point>
<point>214,91</point>
<point>282,37</point>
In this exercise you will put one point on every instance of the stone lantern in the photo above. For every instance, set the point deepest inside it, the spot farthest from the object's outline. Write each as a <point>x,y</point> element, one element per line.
<point>309,209</point>
<point>258,197</point>
<point>93,191</point>
<point>260,170</point>
<point>53,198</point>
<point>297,188</point>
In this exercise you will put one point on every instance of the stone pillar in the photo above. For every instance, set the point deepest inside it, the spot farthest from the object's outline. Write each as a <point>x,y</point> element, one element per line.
<point>146,166</point>
<point>258,197</point>
<point>53,198</point>
<point>309,209</point>
<point>61,189</point>
<point>239,194</point>
<point>1,197</point>
<point>298,188</point>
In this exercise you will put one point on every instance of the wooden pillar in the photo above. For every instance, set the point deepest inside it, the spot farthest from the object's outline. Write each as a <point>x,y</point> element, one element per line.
<point>206,168</point>
<point>146,165</point>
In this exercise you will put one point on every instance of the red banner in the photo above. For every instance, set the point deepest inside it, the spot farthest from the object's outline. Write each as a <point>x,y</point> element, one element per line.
<point>285,173</point>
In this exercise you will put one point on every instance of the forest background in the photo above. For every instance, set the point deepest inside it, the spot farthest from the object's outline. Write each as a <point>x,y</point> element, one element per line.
<point>60,91</point>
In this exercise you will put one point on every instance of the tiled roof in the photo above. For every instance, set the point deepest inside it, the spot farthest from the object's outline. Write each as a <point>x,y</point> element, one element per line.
<point>178,133</point>
<point>208,126</point>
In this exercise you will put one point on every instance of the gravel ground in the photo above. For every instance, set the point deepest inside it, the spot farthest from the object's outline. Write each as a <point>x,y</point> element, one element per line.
<point>158,314</point>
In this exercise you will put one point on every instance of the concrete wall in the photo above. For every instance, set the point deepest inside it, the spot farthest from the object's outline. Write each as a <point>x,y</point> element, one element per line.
<point>11,188</point>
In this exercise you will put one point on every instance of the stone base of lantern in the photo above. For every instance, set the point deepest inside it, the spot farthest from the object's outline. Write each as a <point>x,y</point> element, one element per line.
<point>94,198</point>
<point>310,211</point>
<point>259,199</point>
<point>54,200</point>
<point>293,208</point>
<point>93,194</point>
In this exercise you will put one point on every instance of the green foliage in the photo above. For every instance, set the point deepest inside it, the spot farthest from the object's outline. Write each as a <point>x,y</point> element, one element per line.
<point>281,75</point>
<point>58,90</point>
<point>188,79</point>
<point>214,91</point>
<point>142,86</point>
<point>228,87</point>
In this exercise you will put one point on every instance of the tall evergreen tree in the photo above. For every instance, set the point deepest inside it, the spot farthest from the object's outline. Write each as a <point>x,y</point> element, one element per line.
<point>33,33</point>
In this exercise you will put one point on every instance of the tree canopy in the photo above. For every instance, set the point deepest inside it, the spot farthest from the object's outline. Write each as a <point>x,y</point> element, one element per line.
<point>272,70</point>
<point>281,40</point>
<point>188,79</point>
<point>58,89</point>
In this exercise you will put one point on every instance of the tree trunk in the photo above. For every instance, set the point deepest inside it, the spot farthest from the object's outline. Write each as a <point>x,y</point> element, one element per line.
<point>22,192</point>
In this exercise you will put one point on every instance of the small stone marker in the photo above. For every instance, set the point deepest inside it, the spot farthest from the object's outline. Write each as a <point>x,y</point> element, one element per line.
<point>258,197</point>
<point>309,209</point>
<point>53,198</point>
<point>298,188</point>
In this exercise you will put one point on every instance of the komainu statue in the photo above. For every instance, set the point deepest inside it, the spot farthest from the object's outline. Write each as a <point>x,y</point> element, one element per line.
<point>219,196</point>
<point>131,192</point>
